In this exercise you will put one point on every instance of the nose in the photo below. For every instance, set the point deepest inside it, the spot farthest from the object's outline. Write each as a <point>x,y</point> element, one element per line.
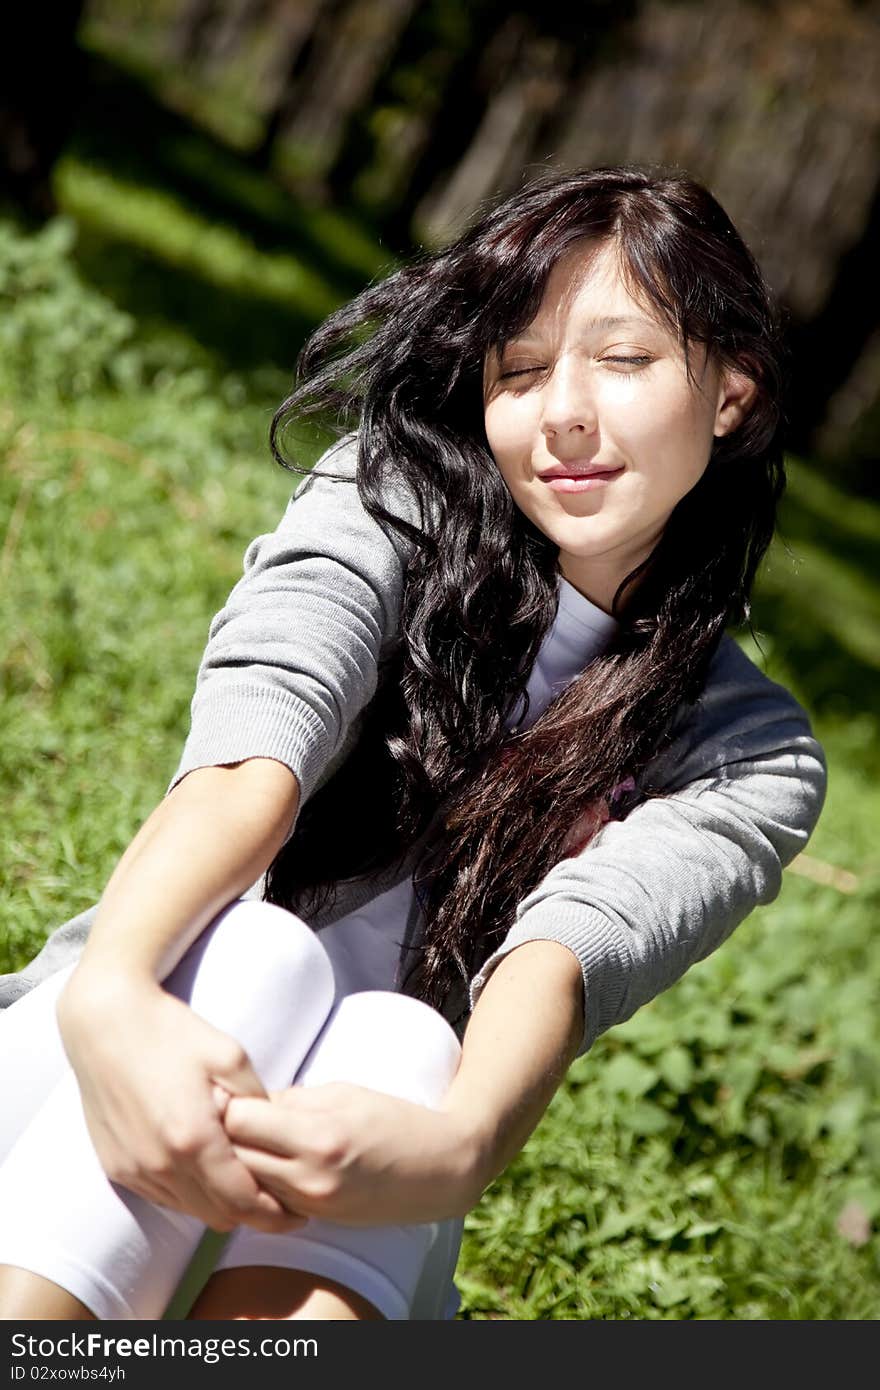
<point>569,407</point>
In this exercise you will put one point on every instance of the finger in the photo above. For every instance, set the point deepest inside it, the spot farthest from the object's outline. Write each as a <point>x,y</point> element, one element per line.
<point>157,1194</point>
<point>191,1204</point>
<point>268,1214</point>
<point>276,1221</point>
<point>166,1191</point>
<point>221,1098</point>
<point>260,1124</point>
<point>189,1195</point>
<point>230,1188</point>
<point>281,1217</point>
<point>275,1174</point>
<point>236,1074</point>
<point>190,1200</point>
<point>203,1179</point>
<point>206,1180</point>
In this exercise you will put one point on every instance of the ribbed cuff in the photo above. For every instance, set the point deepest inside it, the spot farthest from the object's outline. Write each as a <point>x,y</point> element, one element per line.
<point>594,939</point>
<point>233,723</point>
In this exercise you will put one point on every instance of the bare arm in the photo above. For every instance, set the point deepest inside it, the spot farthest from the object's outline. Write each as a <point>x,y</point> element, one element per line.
<point>522,1036</point>
<point>145,1063</point>
<point>203,846</point>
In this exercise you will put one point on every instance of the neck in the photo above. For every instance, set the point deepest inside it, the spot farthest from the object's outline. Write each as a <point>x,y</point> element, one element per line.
<point>597,587</point>
<point>599,577</point>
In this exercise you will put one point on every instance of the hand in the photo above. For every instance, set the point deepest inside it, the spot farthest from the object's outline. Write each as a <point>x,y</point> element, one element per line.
<point>153,1077</point>
<point>350,1154</point>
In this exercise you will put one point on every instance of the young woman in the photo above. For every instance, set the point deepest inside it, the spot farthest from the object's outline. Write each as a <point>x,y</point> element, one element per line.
<point>474,771</point>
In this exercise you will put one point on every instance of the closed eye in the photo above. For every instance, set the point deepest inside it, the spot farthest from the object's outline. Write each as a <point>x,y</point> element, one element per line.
<point>633,362</point>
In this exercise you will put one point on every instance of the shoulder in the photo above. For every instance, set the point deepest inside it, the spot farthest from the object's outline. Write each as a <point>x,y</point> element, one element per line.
<point>335,491</point>
<point>338,463</point>
<point>741,716</point>
<point>326,522</point>
<point>330,483</point>
<point>741,703</point>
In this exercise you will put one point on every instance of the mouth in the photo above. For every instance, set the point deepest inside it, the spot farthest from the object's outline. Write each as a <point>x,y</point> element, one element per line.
<point>574,478</point>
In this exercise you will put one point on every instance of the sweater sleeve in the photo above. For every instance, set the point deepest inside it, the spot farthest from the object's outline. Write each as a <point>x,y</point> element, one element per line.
<point>292,657</point>
<point>661,889</point>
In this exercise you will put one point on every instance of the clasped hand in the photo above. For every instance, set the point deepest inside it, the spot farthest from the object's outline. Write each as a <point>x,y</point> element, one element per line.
<point>354,1155</point>
<point>187,1124</point>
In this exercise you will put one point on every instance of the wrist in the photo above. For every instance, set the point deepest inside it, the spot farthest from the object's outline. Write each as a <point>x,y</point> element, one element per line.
<point>96,988</point>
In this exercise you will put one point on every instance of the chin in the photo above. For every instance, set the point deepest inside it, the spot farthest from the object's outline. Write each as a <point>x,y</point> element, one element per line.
<point>581,548</point>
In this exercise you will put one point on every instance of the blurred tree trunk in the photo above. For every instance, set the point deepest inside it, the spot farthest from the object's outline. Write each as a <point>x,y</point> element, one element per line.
<point>531,70</point>
<point>40,83</point>
<point>300,27</point>
<point>422,143</point>
<point>516,60</point>
<point>235,22</point>
<point>210,32</point>
<point>835,397</point>
<point>188,34</point>
<point>349,53</point>
<point>360,146</point>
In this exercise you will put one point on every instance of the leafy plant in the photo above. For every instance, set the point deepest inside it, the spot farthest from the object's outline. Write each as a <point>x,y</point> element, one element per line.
<point>58,336</point>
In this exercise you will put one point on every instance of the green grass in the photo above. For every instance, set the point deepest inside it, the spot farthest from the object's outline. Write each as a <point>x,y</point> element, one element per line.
<point>695,1164</point>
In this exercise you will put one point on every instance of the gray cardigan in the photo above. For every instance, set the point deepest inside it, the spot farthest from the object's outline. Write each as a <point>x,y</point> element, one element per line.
<point>292,661</point>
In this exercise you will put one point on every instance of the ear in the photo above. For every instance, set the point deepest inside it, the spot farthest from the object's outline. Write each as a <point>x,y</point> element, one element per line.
<point>736,391</point>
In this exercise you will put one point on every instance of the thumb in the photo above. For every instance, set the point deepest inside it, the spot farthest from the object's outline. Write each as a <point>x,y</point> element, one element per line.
<point>221,1099</point>
<point>238,1077</point>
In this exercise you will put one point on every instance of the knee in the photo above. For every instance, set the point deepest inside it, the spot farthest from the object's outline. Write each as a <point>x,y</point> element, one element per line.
<point>406,1020</point>
<point>389,1042</point>
<point>263,945</point>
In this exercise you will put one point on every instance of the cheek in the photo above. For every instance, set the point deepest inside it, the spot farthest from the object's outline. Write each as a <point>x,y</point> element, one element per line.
<point>648,418</point>
<point>693,432</point>
<point>670,436</point>
<point>507,423</point>
<point>490,425</point>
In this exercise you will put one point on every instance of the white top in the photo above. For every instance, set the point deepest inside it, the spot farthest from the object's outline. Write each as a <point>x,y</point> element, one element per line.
<point>364,946</point>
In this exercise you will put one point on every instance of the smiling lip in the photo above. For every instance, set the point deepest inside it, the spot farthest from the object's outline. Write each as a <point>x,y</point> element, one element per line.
<point>579,479</point>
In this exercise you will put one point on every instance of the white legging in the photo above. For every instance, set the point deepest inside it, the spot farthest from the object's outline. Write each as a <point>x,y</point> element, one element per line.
<point>260,974</point>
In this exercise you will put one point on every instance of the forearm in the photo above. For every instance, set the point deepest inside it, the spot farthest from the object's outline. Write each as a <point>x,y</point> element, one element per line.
<point>521,1038</point>
<point>204,845</point>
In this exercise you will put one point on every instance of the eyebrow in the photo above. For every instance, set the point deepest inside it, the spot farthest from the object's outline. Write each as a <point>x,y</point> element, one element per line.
<point>608,321</point>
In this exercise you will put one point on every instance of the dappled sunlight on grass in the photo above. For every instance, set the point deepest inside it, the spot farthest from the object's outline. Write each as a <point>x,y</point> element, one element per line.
<point>153,221</point>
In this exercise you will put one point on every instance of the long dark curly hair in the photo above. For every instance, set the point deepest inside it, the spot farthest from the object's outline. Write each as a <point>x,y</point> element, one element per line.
<point>402,364</point>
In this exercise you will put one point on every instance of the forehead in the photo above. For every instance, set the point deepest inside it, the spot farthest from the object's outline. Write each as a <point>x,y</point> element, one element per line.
<point>588,284</point>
